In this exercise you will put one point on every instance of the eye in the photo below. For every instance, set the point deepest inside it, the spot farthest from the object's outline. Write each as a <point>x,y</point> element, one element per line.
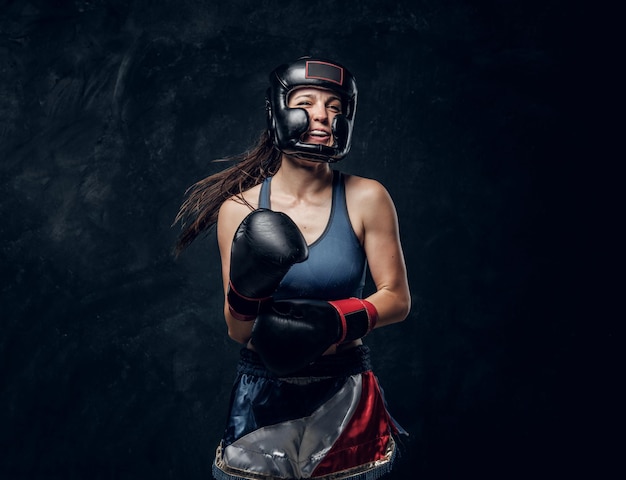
<point>303,102</point>
<point>334,108</point>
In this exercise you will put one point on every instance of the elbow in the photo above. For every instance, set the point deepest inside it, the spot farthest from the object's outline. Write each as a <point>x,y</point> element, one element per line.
<point>237,337</point>
<point>402,306</point>
<point>239,331</point>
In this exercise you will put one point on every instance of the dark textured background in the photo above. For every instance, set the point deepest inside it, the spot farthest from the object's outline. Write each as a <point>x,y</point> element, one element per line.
<point>114,359</point>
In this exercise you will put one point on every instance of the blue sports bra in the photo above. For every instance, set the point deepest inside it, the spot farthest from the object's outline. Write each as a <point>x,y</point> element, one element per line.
<point>335,268</point>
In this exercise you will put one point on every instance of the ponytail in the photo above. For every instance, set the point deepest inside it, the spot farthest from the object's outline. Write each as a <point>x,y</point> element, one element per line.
<point>199,211</point>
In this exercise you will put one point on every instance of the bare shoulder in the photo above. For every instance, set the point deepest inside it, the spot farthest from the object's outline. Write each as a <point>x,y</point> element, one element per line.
<point>231,208</point>
<point>364,194</point>
<point>369,206</point>
<point>246,202</point>
<point>234,210</point>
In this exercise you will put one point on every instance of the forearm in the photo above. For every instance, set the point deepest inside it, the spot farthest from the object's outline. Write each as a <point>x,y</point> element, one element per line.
<point>392,305</point>
<point>237,330</point>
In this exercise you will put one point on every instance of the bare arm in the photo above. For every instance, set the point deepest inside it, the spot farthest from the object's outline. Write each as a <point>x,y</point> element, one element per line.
<point>377,222</point>
<point>230,216</point>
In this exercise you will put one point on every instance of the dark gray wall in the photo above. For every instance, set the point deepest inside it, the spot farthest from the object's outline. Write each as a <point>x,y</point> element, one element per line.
<point>114,359</point>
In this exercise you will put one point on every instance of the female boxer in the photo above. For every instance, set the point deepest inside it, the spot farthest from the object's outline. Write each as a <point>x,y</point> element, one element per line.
<point>295,238</point>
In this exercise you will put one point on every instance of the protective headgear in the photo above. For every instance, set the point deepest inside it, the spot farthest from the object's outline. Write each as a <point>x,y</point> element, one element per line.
<point>287,125</point>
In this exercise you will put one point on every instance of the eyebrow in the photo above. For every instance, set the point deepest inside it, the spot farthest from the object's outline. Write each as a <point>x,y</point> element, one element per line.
<point>310,95</point>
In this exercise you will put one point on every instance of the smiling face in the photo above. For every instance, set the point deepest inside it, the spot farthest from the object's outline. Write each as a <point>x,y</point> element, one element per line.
<point>322,106</point>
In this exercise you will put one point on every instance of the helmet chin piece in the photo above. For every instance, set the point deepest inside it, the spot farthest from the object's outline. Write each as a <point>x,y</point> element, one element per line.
<point>288,125</point>
<point>314,151</point>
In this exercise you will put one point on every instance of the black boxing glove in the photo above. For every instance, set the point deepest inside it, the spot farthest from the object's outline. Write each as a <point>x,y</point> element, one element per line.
<point>265,246</point>
<point>290,334</point>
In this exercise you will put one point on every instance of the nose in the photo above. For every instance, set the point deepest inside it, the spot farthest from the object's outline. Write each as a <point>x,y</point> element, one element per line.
<point>318,112</point>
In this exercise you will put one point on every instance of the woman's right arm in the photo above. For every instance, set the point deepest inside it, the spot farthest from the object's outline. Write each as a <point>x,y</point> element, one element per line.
<point>230,216</point>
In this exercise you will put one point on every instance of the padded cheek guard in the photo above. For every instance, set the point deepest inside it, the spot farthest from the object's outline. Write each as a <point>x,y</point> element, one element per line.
<point>287,125</point>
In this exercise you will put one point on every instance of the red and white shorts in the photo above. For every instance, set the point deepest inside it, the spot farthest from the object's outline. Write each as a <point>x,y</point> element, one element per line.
<point>329,422</point>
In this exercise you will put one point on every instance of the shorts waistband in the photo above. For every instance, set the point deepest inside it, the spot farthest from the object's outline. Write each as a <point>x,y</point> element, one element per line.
<point>345,363</point>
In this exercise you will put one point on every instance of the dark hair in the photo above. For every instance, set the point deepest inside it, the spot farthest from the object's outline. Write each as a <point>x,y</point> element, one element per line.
<point>199,211</point>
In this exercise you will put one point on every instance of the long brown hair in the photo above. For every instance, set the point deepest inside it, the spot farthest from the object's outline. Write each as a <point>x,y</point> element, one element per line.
<point>199,210</point>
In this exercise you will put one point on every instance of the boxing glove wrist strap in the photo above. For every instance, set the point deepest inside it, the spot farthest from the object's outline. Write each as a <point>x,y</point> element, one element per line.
<point>358,317</point>
<point>241,307</point>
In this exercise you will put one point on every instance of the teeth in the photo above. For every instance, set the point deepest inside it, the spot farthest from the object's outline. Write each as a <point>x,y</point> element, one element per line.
<point>318,133</point>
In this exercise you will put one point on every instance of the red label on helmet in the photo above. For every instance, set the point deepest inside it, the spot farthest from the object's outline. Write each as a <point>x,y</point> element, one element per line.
<point>324,71</point>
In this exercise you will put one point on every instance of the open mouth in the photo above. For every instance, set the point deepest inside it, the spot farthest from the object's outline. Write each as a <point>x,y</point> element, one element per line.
<point>317,136</point>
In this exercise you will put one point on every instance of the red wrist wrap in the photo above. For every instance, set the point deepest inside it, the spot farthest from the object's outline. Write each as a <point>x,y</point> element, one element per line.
<point>241,307</point>
<point>357,316</point>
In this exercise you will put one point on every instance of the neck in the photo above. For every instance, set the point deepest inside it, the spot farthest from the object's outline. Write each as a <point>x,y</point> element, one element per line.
<point>300,177</point>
